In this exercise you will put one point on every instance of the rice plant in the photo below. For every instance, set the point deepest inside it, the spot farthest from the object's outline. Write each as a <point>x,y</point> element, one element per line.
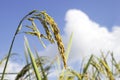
<point>39,67</point>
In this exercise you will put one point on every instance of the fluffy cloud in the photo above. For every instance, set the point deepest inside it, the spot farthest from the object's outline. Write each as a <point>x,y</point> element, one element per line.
<point>88,36</point>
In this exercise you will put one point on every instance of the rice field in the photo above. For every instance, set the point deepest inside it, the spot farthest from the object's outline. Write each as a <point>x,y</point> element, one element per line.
<point>104,67</point>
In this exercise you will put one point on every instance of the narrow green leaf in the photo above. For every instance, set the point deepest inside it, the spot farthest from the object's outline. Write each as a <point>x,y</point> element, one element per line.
<point>41,66</point>
<point>87,65</point>
<point>69,47</point>
<point>38,76</point>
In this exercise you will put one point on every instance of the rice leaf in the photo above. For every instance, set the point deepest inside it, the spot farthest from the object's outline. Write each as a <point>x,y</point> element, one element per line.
<point>38,76</point>
<point>87,66</point>
<point>41,67</point>
<point>69,47</point>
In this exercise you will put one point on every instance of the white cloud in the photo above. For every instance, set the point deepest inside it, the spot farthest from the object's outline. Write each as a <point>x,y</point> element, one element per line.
<point>89,37</point>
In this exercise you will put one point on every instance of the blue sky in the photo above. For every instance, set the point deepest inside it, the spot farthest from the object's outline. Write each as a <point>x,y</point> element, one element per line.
<point>104,12</point>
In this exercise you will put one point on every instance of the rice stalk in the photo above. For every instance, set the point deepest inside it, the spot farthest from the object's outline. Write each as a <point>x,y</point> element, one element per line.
<point>35,31</point>
<point>26,57</point>
<point>57,36</point>
<point>46,21</point>
<point>97,66</point>
<point>109,72</point>
<point>10,49</point>
<point>87,66</point>
<point>69,47</point>
<point>100,66</point>
<point>38,76</point>
<point>41,67</point>
<point>46,27</point>
<point>107,69</point>
<point>98,69</point>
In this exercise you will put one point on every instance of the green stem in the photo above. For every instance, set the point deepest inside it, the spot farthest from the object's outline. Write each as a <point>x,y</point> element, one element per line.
<point>9,53</point>
<point>86,67</point>
<point>41,67</point>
